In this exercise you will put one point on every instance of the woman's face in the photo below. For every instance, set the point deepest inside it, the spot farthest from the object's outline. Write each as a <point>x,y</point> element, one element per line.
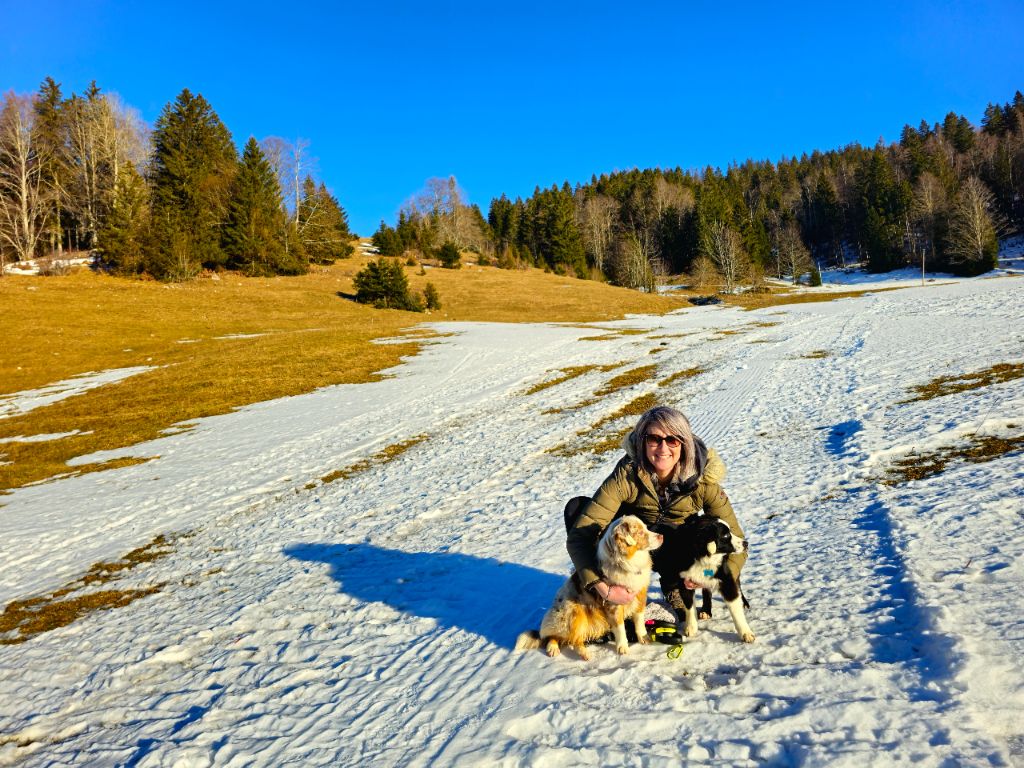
<point>662,450</point>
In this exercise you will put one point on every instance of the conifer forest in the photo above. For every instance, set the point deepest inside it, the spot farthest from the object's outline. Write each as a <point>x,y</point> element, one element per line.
<point>85,173</point>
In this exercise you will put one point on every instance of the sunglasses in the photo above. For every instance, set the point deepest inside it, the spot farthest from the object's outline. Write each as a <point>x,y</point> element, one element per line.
<point>653,441</point>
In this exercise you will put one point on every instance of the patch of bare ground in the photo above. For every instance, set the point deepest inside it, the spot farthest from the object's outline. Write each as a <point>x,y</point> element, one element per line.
<point>688,373</point>
<point>627,379</point>
<point>818,354</point>
<point>383,456</point>
<point>24,619</point>
<point>950,385</point>
<point>572,372</point>
<point>978,450</point>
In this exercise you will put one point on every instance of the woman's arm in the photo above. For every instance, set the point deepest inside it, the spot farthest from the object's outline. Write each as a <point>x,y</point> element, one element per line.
<point>595,517</point>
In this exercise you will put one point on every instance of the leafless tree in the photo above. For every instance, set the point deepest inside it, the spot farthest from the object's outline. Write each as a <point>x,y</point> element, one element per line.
<point>974,225</point>
<point>291,162</point>
<point>632,262</point>
<point>440,206</point>
<point>928,204</point>
<point>596,215</point>
<point>722,245</point>
<point>25,199</point>
<point>793,257</point>
<point>704,274</point>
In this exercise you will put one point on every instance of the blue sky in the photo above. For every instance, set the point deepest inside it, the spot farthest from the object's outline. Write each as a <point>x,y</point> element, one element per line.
<point>511,96</point>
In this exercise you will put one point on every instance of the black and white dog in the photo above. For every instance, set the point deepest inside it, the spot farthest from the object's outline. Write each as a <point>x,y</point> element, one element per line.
<point>696,550</point>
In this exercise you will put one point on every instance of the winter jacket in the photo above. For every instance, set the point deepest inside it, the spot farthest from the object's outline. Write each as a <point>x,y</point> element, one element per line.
<point>630,490</point>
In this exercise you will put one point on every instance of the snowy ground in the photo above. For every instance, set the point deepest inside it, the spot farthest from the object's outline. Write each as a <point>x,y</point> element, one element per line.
<point>369,621</point>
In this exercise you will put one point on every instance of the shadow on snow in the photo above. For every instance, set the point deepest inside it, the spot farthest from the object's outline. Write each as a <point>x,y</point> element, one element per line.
<point>494,599</point>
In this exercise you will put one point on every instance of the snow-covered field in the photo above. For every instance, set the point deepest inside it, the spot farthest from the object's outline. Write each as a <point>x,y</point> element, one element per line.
<point>369,621</point>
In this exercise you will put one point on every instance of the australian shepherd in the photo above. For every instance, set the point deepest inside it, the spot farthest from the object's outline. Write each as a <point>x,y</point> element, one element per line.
<point>578,616</point>
<point>696,550</point>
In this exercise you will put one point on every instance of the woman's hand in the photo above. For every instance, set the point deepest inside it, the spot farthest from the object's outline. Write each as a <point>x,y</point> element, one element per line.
<point>616,593</point>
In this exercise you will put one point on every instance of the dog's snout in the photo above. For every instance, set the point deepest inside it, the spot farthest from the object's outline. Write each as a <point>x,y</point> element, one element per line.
<point>656,540</point>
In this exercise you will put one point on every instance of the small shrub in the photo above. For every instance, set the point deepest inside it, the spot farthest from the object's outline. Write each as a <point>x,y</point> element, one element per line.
<point>815,279</point>
<point>449,256</point>
<point>410,261</point>
<point>483,261</point>
<point>430,297</point>
<point>383,283</point>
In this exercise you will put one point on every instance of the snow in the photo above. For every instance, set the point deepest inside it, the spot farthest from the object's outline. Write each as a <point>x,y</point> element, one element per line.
<point>371,620</point>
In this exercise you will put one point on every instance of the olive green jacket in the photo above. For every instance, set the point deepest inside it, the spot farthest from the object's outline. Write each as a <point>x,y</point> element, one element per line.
<point>629,490</point>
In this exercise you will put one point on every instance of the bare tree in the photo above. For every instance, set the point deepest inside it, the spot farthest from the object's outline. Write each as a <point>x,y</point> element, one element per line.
<point>25,198</point>
<point>595,216</point>
<point>974,227</point>
<point>722,245</point>
<point>441,209</point>
<point>793,257</point>
<point>926,208</point>
<point>704,274</point>
<point>631,262</point>
<point>291,163</point>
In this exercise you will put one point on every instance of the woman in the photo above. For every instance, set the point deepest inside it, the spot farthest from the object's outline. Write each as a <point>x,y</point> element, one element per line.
<point>666,475</point>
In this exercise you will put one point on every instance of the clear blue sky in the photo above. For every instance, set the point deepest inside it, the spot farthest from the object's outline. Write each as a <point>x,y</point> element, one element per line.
<point>510,96</point>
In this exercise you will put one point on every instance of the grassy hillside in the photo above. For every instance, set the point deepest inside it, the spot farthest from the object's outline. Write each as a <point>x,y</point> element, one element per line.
<point>216,344</point>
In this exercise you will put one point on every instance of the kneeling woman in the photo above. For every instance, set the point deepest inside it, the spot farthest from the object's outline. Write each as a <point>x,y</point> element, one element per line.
<point>667,475</point>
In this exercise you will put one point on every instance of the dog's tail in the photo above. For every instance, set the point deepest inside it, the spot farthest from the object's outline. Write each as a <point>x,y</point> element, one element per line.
<point>528,640</point>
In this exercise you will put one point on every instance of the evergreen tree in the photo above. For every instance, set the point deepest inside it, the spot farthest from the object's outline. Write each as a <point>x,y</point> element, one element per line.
<point>383,283</point>
<point>124,234</point>
<point>254,235</point>
<point>193,163</point>
<point>387,242</point>
<point>449,256</point>
<point>50,131</point>
<point>323,225</point>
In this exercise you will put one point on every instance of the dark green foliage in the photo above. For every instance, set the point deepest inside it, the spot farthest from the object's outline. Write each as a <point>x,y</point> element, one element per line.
<point>449,256</point>
<point>431,298</point>
<point>255,234</point>
<point>387,241</point>
<point>194,161</point>
<point>124,236</point>
<point>383,283</point>
<point>323,225</point>
<point>815,279</point>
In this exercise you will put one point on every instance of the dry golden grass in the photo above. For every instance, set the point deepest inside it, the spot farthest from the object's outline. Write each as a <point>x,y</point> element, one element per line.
<point>818,354</point>
<point>383,456</point>
<point>635,407</point>
<point>688,373</point>
<point>949,385</point>
<point>627,379</point>
<point>568,374</point>
<point>917,466</point>
<point>23,619</point>
<point>249,340</point>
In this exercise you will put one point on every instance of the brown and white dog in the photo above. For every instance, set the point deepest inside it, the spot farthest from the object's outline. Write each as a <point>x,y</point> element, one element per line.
<point>578,616</point>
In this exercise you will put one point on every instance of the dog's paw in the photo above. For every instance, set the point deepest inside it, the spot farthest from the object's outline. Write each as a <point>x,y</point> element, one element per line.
<point>747,637</point>
<point>644,639</point>
<point>622,649</point>
<point>690,630</point>
<point>553,650</point>
<point>704,615</point>
<point>583,653</point>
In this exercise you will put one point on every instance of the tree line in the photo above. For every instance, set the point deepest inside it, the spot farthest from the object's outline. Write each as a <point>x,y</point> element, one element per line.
<point>940,197</point>
<point>86,173</point>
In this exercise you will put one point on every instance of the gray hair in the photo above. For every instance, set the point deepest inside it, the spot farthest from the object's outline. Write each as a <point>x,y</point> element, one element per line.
<point>672,422</point>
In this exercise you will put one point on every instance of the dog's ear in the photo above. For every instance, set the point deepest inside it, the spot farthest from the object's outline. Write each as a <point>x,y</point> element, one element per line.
<point>629,540</point>
<point>712,547</point>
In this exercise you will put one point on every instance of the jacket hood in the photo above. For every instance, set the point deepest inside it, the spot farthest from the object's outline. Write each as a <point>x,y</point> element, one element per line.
<point>710,466</point>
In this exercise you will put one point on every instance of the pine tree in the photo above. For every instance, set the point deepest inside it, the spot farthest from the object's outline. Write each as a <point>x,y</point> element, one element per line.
<point>51,139</point>
<point>383,283</point>
<point>254,235</point>
<point>124,235</point>
<point>449,256</point>
<point>323,225</point>
<point>193,163</point>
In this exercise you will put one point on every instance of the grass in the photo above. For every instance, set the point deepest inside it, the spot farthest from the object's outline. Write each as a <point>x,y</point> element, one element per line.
<point>979,449</point>
<point>383,456</point>
<point>249,340</point>
<point>818,354</point>
<point>689,373</point>
<point>627,379</point>
<point>572,372</point>
<point>24,619</point>
<point>950,385</point>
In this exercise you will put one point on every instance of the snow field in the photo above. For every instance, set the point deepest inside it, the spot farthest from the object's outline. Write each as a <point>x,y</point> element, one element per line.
<point>371,620</point>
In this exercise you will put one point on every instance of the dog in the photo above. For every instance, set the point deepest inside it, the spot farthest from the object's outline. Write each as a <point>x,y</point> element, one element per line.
<point>578,616</point>
<point>696,551</point>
